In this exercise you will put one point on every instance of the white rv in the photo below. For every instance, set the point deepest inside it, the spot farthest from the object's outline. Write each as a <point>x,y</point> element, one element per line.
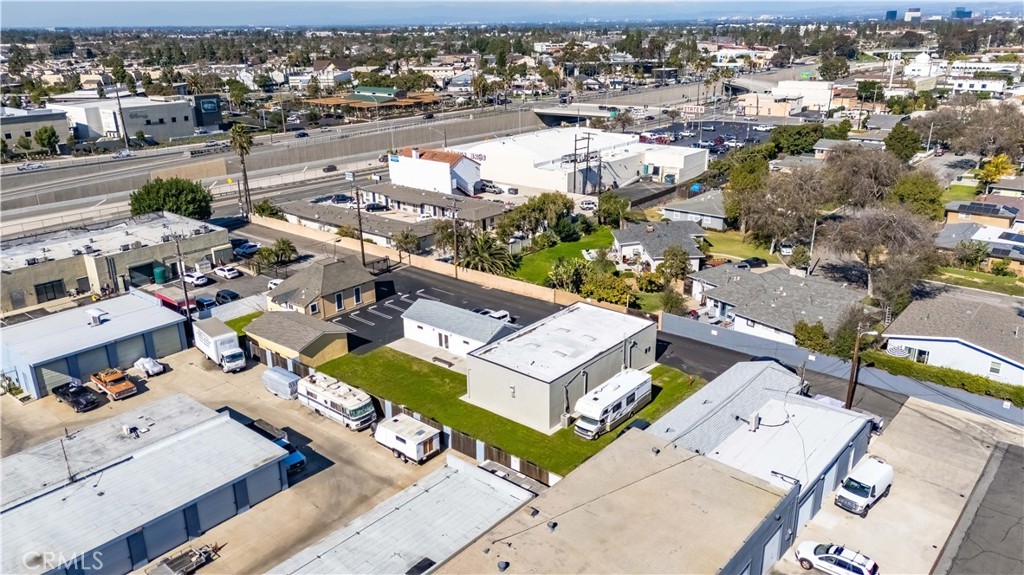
<point>329,397</point>
<point>407,438</point>
<point>612,402</point>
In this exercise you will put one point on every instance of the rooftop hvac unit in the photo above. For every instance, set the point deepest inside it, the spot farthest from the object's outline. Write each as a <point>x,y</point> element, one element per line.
<point>76,252</point>
<point>31,261</point>
<point>88,249</point>
<point>165,238</point>
<point>196,231</point>
<point>136,245</point>
<point>125,247</point>
<point>207,229</point>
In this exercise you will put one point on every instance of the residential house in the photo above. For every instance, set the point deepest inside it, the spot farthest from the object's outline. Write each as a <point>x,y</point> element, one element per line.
<point>482,214</point>
<point>295,341</point>
<point>644,244</point>
<point>1011,187</point>
<point>1002,244</point>
<point>377,229</point>
<point>770,304</point>
<point>707,209</point>
<point>324,289</point>
<point>885,122</point>
<point>434,171</point>
<point>791,163</point>
<point>982,213</point>
<point>874,139</point>
<point>985,339</point>
<point>823,147</point>
<point>452,328</point>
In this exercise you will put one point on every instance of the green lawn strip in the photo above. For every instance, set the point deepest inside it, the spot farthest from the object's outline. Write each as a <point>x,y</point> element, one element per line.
<point>731,244</point>
<point>434,392</point>
<point>981,280</point>
<point>535,267</point>
<point>959,193</point>
<point>238,324</point>
<point>649,301</point>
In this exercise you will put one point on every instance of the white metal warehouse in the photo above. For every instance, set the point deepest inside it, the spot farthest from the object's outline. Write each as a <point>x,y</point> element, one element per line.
<point>46,352</point>
<point>113,496</point>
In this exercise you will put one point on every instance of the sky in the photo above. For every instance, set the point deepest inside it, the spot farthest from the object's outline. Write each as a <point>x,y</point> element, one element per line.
<point>235,13</point>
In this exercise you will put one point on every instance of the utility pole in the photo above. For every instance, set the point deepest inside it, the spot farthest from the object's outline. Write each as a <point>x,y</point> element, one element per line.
<point>455,233</point>
<point>852,386</point>
<point>181,278</point>
<point>359,219</point>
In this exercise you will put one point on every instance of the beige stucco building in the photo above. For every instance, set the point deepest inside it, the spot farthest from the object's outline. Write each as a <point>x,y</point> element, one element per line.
<point>324,289</point>
<point>16,123</point>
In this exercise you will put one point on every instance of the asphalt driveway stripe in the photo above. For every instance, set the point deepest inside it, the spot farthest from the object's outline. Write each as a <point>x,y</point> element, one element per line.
<point>381,314</point>
<point>421,294</point>
<point>393,306</point>
<point>357,318</point>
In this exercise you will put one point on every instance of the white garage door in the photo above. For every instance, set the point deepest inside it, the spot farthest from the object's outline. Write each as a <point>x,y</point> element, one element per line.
<point>113,559</point>
<point>51,375</point>
<point>165,534</point>
<point>166,341</point>
<point>771,552</point>
<point>806,509</point>
<point>830,481</point>
<point>92,361</point>
<point>263,484</point>
<point>129,350</point>
<point>216,508</point>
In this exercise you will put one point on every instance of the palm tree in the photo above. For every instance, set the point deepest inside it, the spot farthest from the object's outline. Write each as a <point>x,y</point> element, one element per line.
<point>485,254</point>
<point>623,120</point>
<point>284,250</point>
<point>405,241</point>
<point>241,143</point>
<point>194,83</point>
<point>264,259</point>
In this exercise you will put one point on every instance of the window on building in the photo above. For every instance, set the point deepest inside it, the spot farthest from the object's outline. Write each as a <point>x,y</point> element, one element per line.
<point>963,216</point>
<point>750,323</point>
<point>314,308</point>
<point>339,300</point>
<point>7,135</point>
<point>357,294</point>
<point>922,356</point>
<point>174,119</point>
<point>50,291</point>
<point>28,134</point>
<point>419,327</point>
<point>186,118</point>
<point>995,367</point>
<point>160,121</point>
<point>149,122</point>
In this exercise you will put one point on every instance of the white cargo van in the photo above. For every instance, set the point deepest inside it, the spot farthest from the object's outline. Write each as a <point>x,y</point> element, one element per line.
<point>612,402</point>
<point>870,481</point>
<point>407,438</point>
<point>331,398</point>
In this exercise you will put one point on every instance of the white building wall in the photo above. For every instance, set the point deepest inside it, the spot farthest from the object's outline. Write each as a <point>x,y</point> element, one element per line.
<point>976,86</point>
<point>955,354</point>
<point>466,174</point>
<point>816,95</point>
<point>420,174</point>
<point>520,172</point>
<point>706,222</point>
<point>428,335</point>
<point>749,326</point>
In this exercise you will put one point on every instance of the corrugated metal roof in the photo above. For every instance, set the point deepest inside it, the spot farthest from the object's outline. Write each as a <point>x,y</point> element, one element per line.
<point>33,342</point>
<point>458,321</point>
<point>184,451</point>
<point>432,519</point>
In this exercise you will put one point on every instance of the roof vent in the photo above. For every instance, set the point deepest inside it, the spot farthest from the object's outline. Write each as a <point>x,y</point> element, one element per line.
<point>31,261</point>
<point>165,238</point>
<point>95,316</point>
<point>650,228</point>
<point>88,249</point>
<point>755,421</point>
<point>125,247</point>
<point>76,252</point>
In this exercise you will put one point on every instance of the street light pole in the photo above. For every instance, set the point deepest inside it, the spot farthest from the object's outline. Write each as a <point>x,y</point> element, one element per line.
<point>852,386</point>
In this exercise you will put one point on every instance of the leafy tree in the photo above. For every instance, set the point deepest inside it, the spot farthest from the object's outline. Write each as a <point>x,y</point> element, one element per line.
<point>903,142</point>
<point>284,250</point>
<point>484,254</point>
<point>900,105</point>
<point>623,120</point>
<point>347,232</point>
<point>786,207</point>
<point>797,138</point>
<point>612,209</point>
<point>71,142</point>
<point>241,143</point>
<point>859,176</point>
<point>1002,268</point>
<point>672,301</point>
<point>801,257</point>
<point>969,254</point>
<point>993,170</point>
<point>838,131</point>
<point>606,287</point>
<point>675,264</point>
<point>140,136</point>
<point>3,148</point>
<point>870,91</point>
<point>237,92</point>
<point>264,259</point>
<point>13,101</point>
<point>266,209</point>
<point>47,138</point>
<point>313,116</point>
<point>25,143</point>
<point>831,68</point>
<point>650,282</point>
<point>568,274</point>
<point>19,58</point>
<point>919,192</point>
<point>566,230</point>
<point>405,241</point>
<point>175,195</point>
<point>62,45</point>
<point>313,89</point>
<point>845,336</point>
<point>812,336</point>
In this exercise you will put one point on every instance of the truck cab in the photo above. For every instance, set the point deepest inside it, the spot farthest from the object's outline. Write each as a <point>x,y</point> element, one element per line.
<point>870,481</point>
<point>295,460</point>
<point>114,383</point>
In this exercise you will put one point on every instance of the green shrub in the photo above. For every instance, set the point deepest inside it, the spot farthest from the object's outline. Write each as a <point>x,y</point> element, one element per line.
<point>650,282</point>
<point>544,241</point>
<point>975,384</point>
<point>627,274</point>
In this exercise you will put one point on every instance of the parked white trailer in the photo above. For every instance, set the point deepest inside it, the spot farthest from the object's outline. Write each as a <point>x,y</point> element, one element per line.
<point>408,439</point>
<point>612,402</point>
<point>219,343</point>
<point>331,398</point>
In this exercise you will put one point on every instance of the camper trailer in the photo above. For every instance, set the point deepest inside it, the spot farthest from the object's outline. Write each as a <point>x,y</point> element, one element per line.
<point>407,438</point>
<point>331,398</point>
<point>612,403</point>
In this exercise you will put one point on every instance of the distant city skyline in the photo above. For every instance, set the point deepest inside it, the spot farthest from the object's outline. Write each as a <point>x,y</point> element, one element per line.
<point>327,13</point>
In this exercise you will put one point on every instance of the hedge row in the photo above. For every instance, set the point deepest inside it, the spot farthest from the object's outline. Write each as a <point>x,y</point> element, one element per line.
<point>945,376</point>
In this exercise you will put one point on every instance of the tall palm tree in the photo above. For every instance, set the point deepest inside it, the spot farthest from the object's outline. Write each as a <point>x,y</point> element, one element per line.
<point>241,143</point>
<point>485,254</point>
<point>194,83</point>
<point>284,249</point>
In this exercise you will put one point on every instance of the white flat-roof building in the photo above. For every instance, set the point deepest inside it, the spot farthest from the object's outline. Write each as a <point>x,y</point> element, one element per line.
<point>451,328</point>
<point>16,123</point>
<point>816,94</point>
<point>113,496</point>
<point>160,120</point>
<point>535,375</point>
<point>48,351</point>
<point>556,160</point>
<point>416,529</point>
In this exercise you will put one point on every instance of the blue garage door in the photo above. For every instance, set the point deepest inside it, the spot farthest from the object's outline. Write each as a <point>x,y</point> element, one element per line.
<point>165,534</point>
<point>216,508</point>
<point>263,484</point>
<point>111,559</point>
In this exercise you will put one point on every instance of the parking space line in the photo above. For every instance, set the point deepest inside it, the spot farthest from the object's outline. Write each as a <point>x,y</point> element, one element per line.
<point>403,298</point>
<point>393,306</point>
<point>442,291</point>
<point>375,312</point>
<point>421,294</point>
<point>354,316</point>
<point>338,321</point>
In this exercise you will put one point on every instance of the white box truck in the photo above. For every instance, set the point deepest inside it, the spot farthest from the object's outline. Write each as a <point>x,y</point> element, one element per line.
<point>331,398</point>
<point>408,439</point>
<point>219,343</point>
<point>612,403</point>
<point>869,481</point>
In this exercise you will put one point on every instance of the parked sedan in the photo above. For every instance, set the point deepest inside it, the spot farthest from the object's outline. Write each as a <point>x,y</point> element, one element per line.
<point>375,207</point>
<point>686,134</point>
<point>754,263</point>
<point>195,278</point>
<point>763,128</point>
<point>227,272</point>
<point>225,296</point>
<point>834,559</point>
<point>247,249</point>
<point>708,128</point>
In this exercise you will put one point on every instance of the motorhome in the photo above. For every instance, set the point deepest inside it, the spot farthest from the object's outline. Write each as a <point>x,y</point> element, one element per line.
<point>333,399</point>
<point>612,402</point>
<point>407,438</point>
<point>869,481</point>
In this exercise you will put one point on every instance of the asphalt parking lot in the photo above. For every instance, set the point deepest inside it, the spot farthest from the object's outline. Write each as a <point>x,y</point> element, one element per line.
<point>381,323</point>
<point>244,286</point>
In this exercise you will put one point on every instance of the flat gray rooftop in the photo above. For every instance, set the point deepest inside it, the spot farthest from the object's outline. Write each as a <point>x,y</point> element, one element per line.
<point>184,450</point>
<point>433,519</point>
<point>557,344</point>
<point>103,237</point>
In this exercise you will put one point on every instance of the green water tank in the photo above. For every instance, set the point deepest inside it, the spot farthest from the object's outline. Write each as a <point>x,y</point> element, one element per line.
<point>160,275</point>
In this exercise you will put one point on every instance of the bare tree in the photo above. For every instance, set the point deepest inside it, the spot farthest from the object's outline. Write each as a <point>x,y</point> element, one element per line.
<point>859,176</point>
<point>883,237</point>
<point>994,130</point>
<point>787,205</point>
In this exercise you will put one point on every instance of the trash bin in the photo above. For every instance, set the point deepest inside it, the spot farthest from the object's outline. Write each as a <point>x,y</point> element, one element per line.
<point>160,275</point>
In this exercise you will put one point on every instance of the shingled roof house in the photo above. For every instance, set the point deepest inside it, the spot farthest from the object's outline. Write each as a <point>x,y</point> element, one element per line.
<point>324,289</point>
<point>645,243</point>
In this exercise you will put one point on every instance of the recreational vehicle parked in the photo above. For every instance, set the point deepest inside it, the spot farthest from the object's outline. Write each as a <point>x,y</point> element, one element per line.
<point>612,403</point>
<point>407,438</point>
<point>329,397</point>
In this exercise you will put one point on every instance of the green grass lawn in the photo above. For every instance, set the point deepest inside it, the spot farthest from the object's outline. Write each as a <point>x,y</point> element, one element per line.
<point>238,324</point>
<point>981,280</point>
<point>731,243</point>
<point>535,267</point>
<point>649,301</point>
<point>435,391</point>
<point>959,193</point>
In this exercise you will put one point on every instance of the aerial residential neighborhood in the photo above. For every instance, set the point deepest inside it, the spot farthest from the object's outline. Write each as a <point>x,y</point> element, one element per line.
<point>546,287</point>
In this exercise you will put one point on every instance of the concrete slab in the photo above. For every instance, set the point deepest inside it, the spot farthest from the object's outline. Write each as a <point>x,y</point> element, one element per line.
<point>938,454</point>
<point>428,353</point>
